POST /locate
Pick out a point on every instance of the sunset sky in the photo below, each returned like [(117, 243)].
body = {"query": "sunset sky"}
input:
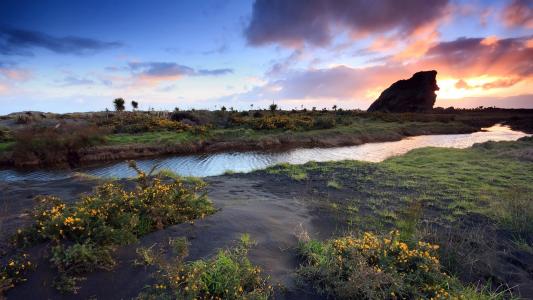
[(64, 56)]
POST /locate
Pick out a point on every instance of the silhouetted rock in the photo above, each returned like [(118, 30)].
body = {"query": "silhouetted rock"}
[(416, 94)]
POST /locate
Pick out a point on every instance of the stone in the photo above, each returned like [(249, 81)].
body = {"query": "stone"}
[(416, 94)]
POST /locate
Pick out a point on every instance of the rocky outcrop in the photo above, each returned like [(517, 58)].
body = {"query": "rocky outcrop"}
[(416, 94)]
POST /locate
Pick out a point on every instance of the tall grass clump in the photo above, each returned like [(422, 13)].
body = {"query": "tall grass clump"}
[(83, 236), (376, 267), (513, 210), (227, 275)]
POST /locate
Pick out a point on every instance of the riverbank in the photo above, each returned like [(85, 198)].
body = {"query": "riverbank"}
[(473, 202), (264, 132)]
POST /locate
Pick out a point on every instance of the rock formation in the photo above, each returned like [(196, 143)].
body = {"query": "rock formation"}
[(416, 94)]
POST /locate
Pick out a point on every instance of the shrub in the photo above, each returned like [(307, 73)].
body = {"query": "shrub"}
[(83, 236), (13, 271), (54, 145), (141, 122), (373, 267), (227, 275), (324, 123)]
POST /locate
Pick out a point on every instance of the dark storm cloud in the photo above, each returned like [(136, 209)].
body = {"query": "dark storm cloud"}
[(22, 42), (315, 22)]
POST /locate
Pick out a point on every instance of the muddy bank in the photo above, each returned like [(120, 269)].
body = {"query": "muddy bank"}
[(285, 141)]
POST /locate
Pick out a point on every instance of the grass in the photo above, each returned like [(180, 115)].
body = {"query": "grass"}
[(83, 237), (378, 267), (227, 275), (334, 185), (6, 146), (473, 202)]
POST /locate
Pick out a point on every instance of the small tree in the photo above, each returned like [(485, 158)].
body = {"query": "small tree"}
[(335, 107), (223, 108), (119, 104), (273, 107), (134, 104)]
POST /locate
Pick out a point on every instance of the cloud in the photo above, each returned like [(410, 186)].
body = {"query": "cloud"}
[(74, 81), (484, 64), (317, 22), (496, 84), (164, 71), (518, 13), (465, 57), (23, 42), (10, 71)]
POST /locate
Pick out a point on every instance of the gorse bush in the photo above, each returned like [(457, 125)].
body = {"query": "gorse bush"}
[(83, 236), (54, 145), (141, 122), (373, 267), (13, 271), (227, 275)]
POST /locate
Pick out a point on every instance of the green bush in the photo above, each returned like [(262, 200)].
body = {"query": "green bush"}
[(373, 267), (227, 275)]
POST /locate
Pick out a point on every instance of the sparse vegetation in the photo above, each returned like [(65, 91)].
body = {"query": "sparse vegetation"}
[(227, 275)]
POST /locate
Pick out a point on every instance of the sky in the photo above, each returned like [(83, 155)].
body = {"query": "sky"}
[(67, 56)]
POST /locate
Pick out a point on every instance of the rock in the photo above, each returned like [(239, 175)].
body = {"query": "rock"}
[(416, 94)]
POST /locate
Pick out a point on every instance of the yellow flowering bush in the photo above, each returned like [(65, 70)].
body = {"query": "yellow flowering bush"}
[(228, 275), (83, 236), (374, 267), (13, 271)]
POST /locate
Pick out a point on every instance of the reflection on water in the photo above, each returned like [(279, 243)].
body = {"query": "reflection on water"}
[(218, 163)]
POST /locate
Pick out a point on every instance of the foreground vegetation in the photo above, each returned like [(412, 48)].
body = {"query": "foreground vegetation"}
[(227, 275), (475, 203), (35, 139), (82, 237), (374, 267)]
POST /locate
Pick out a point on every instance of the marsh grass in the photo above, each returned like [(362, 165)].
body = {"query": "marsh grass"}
[(513, 210), (227, 275), (473, 202)]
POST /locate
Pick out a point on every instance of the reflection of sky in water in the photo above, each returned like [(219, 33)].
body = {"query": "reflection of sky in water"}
[(218, 163)]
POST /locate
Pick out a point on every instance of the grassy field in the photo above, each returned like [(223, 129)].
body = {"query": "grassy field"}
[(475, 203)]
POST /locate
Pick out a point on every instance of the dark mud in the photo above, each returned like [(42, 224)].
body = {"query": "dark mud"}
[(273, 216)]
